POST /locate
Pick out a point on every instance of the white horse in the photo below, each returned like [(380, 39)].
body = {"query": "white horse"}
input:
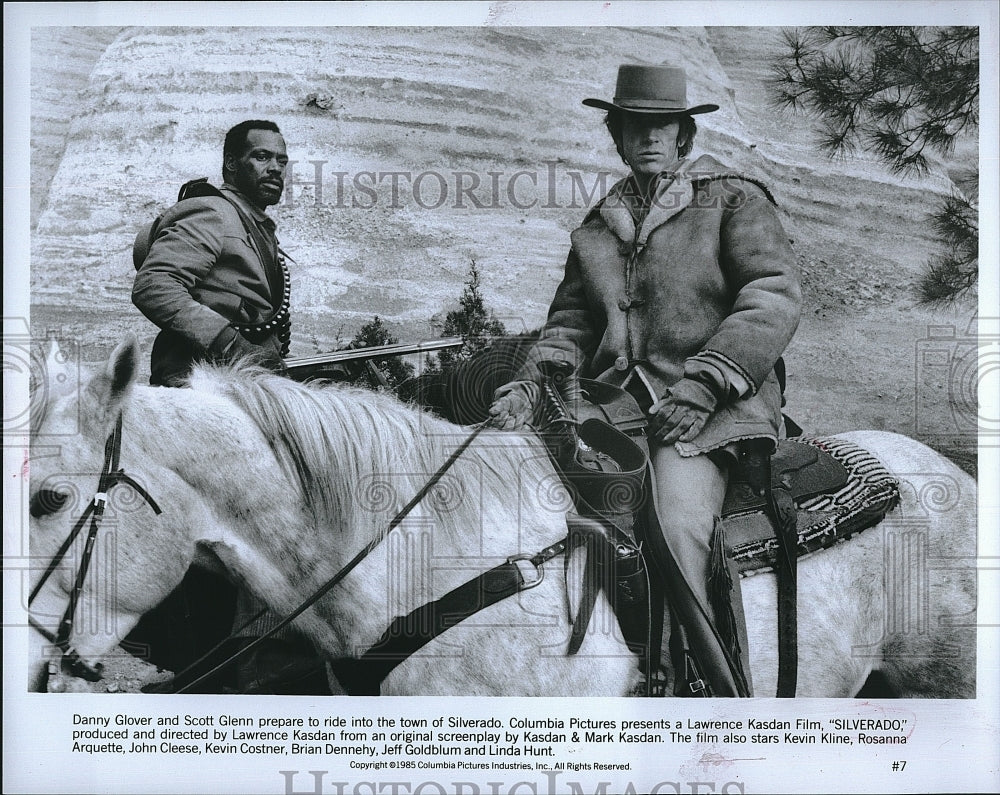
[(282, 483)]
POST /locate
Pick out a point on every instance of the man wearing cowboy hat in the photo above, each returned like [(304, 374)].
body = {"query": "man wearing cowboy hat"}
[(680, 287)]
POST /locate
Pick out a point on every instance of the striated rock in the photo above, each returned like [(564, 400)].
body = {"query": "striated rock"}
[(61, 62), (455, 114)]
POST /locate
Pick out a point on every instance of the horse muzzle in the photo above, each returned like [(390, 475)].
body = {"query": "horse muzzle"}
[(67, 672)]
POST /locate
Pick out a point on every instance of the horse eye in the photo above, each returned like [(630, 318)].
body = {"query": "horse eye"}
[(46, 501)]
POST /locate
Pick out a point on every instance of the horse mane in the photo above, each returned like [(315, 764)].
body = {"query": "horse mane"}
[(356, 454)]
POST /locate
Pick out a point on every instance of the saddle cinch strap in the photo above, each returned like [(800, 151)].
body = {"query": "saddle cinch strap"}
[(758, 474), (406, 635)]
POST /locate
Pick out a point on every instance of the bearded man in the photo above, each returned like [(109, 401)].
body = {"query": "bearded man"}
[(214, 279)]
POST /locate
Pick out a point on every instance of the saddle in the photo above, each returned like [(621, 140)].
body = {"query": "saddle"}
[(834, 489), (600, 449)]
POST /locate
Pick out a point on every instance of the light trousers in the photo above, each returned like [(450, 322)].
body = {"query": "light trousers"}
[(690, 491)]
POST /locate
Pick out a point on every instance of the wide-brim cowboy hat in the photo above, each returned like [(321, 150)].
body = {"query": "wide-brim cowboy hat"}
[(651, 89)]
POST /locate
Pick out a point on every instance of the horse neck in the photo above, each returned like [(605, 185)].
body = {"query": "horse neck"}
[(201, 454), (370, 455), (228, 486), (205, 457)]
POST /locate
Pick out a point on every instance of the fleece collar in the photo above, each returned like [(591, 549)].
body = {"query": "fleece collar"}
[(673, 193), (623, 204)]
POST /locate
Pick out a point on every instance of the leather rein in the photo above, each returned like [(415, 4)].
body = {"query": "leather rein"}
[(111, 476), (407, 634), (335, 579), (360, 676)]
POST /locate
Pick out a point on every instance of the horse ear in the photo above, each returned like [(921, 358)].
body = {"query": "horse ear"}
[(53, 357), (107, 390), (61, 376)]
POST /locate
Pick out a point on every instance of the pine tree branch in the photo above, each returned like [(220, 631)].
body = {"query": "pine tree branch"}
[(901, 92)]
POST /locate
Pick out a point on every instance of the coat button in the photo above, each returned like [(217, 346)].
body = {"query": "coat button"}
[(621, 364), (624, 304)]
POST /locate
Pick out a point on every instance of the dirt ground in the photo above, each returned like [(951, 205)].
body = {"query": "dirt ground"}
[(122, 673)]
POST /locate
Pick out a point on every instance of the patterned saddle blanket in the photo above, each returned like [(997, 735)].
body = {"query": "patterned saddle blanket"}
[(866, 493), (839, 488)]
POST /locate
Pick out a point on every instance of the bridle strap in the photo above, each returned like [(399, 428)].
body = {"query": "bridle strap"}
[(337, 578), (63, 549), (71, 659), (111, 475), (113, 479), (94, 509)]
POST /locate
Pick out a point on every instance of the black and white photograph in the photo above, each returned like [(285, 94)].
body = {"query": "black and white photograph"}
[(460, 397)]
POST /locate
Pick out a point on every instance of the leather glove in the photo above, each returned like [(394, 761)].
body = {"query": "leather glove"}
[(230, 345), (514, 405), (270, 356), (680, 415)]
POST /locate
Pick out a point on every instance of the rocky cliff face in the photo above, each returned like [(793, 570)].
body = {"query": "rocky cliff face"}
[(494, 159), (62, 60)]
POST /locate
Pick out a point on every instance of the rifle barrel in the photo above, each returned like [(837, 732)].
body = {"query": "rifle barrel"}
[(374, 352)]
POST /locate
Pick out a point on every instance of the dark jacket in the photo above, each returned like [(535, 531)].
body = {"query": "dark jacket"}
[(707, 284), (203, 272)]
